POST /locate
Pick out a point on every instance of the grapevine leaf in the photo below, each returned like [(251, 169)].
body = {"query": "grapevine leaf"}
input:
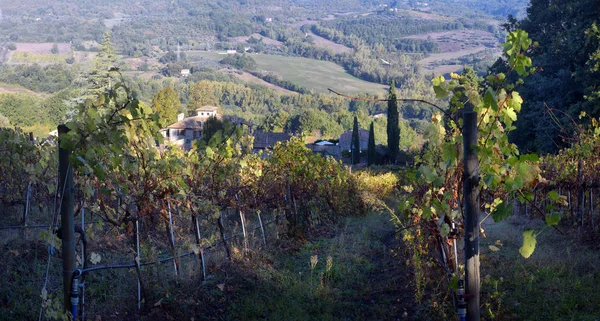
[(501, 211), (529, 242), (553, 218), (515, 101), (553, 196), (440, 87), (509, 115), (490, 99), (453, 284), (445, 230)]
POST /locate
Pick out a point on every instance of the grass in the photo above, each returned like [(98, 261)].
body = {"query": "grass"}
[(558, 282), (28, 57), (312, 74), (350, 274)]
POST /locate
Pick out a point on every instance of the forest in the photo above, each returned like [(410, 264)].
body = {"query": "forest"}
[(464, 195)]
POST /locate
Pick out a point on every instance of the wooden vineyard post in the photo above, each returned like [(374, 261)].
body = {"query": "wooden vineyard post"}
[(26, 211), (175, 261), (262, 229), (471, 206), (199, 244), (66, 219), (243, 220), (222, 233)]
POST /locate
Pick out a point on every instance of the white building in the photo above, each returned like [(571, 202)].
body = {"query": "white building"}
[(187, 129)]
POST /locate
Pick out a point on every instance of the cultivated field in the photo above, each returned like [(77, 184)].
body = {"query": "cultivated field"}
[(42, 48), (312, 74), (249, 78), (328, 44), (451, 41), (266, 41), (35, 58), (455, 44)]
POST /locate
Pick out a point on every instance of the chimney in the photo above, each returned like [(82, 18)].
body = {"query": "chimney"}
[(180, 117)]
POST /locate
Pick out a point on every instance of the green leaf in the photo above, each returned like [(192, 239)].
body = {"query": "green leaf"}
[(553, 218), (501, 211), (529, 242), (453, 284), (530, 157), (553, 196), (445, 230), (509, 115), (209, 152), (515, 101), (490, 99), (440, 87)]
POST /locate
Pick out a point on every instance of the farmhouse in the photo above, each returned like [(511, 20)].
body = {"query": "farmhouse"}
[(266, 140), (187, 129), (346, 139), (332, 150)]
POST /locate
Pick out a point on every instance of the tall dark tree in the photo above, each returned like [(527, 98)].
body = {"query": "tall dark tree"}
[(211, 127), (371, 155), (355, 143), (567, 80), (393, 126), (102, 76)]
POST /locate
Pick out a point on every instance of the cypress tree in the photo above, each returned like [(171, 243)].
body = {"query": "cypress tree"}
[(371, 151), (393, 129), (355, 143), (106, 59)]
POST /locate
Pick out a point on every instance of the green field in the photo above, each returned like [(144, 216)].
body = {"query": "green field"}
[(28, 57), (312, 74)]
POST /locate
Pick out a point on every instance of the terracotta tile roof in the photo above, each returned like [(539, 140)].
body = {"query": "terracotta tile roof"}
[(346, 139), (194, 122), (264, 140)]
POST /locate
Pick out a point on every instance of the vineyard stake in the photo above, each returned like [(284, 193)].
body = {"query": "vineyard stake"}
[(243, 220), (26, 212), (172, 239), (137, 263), (592, 207), (262, 229), (67, 219), (82, 267), (471, 203), (199, 243)]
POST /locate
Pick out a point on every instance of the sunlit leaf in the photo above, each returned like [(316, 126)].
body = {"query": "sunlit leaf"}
[(529, 242)]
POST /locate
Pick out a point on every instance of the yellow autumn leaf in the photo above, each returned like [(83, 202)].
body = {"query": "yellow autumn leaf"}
[(95, 258)]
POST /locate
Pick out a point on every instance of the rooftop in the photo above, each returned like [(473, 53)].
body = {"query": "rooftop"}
[(208, 108)]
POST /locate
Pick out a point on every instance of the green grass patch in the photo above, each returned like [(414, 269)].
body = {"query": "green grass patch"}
[(315, 75), (28, 57), (352, 275), (558, 282)]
